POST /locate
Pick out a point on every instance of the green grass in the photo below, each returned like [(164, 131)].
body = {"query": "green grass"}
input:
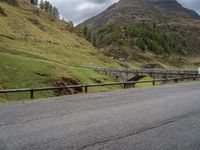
[(89, 77), (23, 72), (56, 53), (142, 85), (36, 49)]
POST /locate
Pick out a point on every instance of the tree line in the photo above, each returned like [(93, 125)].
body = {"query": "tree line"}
[(89, 35), (46, 6)]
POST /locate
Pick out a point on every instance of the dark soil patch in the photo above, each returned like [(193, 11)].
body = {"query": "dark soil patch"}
[(9, 37), (66, 81), (42, 74), (152, 66), (36, 23), (96, 80), (36, 12), (2, 12)]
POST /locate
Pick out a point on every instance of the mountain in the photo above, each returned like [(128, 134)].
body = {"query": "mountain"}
[(137, 11), (134, 29), (38, 50)]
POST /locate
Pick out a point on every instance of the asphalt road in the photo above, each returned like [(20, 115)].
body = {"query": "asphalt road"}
[(158, 118)]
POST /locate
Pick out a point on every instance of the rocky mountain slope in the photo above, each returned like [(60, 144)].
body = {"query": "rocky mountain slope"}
[(138, 11), (161, 28)]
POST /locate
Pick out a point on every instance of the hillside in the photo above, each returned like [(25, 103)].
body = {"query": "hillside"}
[(159, 30), (38, 50)]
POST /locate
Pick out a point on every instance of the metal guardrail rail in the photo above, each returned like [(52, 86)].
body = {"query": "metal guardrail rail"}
[(124, 84)]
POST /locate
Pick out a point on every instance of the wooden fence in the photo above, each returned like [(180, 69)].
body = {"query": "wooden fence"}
[(124, 84)]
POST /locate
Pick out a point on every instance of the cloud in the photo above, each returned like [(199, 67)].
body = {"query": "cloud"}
[(191, 4), (80, 10)]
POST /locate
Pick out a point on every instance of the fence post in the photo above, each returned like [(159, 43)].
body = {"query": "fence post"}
[(124, 85), (194, 79), (154, 83), (32, 94), (86, 89), (176, 80)]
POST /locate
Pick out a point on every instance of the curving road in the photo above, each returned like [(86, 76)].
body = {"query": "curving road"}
[(157, 118)]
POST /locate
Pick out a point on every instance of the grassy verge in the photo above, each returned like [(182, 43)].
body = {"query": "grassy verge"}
[(23, 72), (142, 85)]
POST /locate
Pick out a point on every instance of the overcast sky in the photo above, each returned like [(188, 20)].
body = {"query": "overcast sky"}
[(80, 10)]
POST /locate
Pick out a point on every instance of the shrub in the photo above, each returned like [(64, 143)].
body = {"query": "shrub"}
[(106, 29), (140, 43), (114, 38)]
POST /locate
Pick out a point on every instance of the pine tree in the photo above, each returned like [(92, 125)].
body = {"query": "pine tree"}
[(85, 31), (32, 2), (50, 9), (94, 40), (46, 6), (71, 23), (55, 12), (89, 35), (36, 2), (42, 4)]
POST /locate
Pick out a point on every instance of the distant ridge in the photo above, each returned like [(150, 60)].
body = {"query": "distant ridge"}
[(133, 11)]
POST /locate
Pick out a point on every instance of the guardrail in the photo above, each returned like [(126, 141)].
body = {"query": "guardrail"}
[(124, 84)]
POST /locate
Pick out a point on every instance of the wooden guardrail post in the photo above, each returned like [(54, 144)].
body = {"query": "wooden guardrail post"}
[(86, 89), (124, 85), (154, 83), (32, 94)]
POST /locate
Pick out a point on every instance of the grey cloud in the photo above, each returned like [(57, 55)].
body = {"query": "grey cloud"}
[(80, 10), (98, 1), (191, 4)]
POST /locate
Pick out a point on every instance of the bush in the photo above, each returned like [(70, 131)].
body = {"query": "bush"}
[(155, 47), (140, 43), (106, 29), (115, 38)]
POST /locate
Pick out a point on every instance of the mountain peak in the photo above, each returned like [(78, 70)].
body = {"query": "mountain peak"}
[(133, 11)]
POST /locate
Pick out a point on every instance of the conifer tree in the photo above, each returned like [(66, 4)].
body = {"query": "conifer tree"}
[(85, 31), (42, 4), (94, 40)]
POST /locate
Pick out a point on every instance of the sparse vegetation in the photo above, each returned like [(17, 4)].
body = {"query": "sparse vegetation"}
[(46, 6), (142, 37), (38, 52), (145, 31)]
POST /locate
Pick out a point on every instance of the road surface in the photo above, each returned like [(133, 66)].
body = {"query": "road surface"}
[(157, 118)]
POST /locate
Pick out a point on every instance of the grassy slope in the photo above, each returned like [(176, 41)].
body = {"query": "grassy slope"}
[(36, 49)]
